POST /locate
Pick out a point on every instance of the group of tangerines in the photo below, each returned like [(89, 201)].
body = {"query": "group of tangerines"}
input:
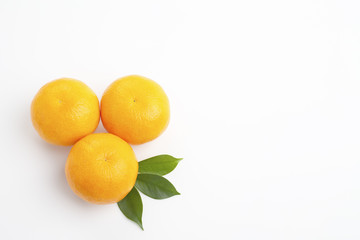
[(101, 167)]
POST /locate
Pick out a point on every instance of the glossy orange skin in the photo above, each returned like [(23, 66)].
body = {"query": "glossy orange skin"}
[(135, 108), (65, 110), (101, 168)]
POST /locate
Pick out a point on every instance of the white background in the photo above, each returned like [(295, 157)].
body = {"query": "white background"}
[(265, 99)]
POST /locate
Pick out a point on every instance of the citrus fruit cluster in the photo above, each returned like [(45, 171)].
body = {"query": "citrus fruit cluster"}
[(102, 168)]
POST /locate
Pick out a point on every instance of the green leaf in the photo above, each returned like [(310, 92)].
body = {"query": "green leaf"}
[(131, 206), (159, 165), (155, 186)]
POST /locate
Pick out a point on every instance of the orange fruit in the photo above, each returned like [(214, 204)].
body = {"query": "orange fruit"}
[(101, 168), (135, 108), (65, 110)]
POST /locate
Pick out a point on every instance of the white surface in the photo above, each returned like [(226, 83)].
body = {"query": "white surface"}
[(265, 111)]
